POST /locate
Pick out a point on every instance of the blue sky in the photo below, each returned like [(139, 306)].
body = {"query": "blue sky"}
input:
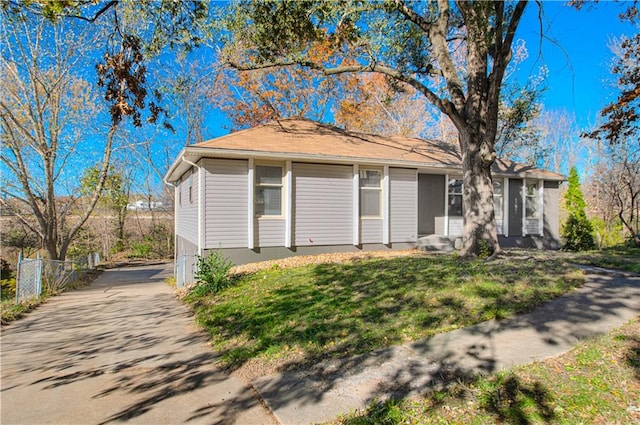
[(575, 50)]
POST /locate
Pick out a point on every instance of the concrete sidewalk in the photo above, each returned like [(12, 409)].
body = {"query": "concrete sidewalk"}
[(122, 350), (332, 388)]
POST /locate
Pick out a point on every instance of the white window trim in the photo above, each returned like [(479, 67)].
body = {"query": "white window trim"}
[(505, 217), (540, 217), (380, 189), (501, 181), (540, 207), (283, 204)]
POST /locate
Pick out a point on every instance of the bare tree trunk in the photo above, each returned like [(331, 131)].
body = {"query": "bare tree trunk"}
[(106, 161), (477, 198)]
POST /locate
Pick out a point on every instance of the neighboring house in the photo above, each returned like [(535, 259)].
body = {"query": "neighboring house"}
[(295, 186)]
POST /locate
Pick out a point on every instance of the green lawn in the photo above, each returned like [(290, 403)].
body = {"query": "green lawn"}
[(337, 310), (598, 382), (620, 258)]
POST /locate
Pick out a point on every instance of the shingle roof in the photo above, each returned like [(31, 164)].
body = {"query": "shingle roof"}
[(304, 139)]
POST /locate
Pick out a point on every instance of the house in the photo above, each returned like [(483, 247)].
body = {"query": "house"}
[(295, 186)]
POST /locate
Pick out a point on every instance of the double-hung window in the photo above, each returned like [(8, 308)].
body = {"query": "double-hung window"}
[(498, 200), (370, 193), (532, 201), (268, 190), (455, 198)]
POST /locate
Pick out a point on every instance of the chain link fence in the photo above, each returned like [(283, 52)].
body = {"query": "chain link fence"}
[(35, 276), (28, 279)]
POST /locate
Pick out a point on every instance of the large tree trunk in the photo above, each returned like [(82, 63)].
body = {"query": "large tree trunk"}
[(477, 197)]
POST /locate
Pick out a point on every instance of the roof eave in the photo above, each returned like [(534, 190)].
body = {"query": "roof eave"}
[(193, 154)]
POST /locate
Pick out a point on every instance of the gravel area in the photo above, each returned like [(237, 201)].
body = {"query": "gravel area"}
[(338, 257)]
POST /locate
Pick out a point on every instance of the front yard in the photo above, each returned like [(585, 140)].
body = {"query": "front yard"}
[(291, 317), (598, 382)]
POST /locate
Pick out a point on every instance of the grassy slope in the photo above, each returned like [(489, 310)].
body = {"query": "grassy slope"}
[(337, 310)]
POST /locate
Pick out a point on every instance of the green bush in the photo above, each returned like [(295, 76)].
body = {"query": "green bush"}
[(212, 273), (578, 234), (7, 288), (141, 249), (7, 280)]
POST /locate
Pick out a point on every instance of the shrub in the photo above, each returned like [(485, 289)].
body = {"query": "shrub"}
[(577, 230), (7, 280), (578, 234), (141, 249), (212, 272)]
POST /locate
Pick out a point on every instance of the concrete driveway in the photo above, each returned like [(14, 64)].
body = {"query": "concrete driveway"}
[(122, 350)]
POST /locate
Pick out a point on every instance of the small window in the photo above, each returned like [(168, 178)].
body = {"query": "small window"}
[(268, 198), (190, 188), (498, 199), (370, 193), (455, 197), (531, 203)]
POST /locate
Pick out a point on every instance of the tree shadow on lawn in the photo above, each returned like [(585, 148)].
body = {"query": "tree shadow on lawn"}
[(507, 399), (350, 309), (333, 327)]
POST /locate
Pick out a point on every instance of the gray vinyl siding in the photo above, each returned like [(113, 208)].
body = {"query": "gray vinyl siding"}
[(323, 204), (187, 209), (226, 203), (403, 205), (371, 230), (270, 232), (551, 209), (431, 189), (515, 207)]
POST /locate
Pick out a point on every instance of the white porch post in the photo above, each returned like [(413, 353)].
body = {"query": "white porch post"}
[(250, 205), (288, 219), (356, 204), (524, 207), (385, 205), (446, 205)]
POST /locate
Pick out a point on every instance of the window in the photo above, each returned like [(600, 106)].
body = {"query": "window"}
[(531, 203), (190, 185), (498, 199), (455, 197), (268, 198), (370, 193)]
